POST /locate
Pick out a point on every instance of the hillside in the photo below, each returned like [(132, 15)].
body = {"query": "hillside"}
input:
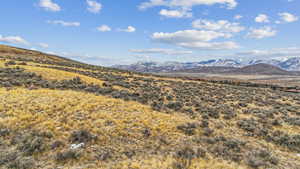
[(59, 113), (261, 69), (208, 69)]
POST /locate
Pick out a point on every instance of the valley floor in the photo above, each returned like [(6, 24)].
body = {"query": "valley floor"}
[(281, 80)]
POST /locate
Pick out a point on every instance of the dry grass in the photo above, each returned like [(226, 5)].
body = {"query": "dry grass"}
[(61, 112)]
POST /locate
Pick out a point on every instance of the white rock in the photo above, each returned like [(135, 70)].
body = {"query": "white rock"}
[(76, 146)]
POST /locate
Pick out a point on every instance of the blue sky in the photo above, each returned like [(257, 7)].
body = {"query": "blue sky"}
[(106, 32)]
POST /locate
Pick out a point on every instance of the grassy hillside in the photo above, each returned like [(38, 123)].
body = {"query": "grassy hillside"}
[(59, 113)]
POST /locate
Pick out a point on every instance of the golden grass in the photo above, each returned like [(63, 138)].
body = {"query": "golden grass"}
[(28, 54), (289, 129), (2, 62), (61, 112), (160, 162), (45, 109), (53, 74)]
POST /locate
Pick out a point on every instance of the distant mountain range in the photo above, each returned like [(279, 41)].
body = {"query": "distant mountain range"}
[(213, 66), (262, 69)]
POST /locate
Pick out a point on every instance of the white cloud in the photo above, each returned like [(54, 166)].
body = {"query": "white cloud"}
[(186, 3), (221, 25), (262, 18), (128, 29), (94, 6), (287, 17), (43, 45), (210, 45), (160, 51), (238, 17), (152, 3), (188, 35), (64, 23), (175, 13), (13, 40), (196, 39), (259, 33), (104, 28), (48, 5)]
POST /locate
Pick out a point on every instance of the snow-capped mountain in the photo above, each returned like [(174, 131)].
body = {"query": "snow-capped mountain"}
[(292, 64), (270, 62), (225, 63)]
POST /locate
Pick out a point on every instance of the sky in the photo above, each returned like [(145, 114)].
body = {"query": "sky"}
[(106, 32)]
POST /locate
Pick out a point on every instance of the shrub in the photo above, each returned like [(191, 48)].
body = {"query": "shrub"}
[(4, 132), (81, 136), (23, 63), (57, 144), (7, 157), (188, 129), (186, 153), (214, 114), (22, 163), (229, 115), (247, 124), (31, 144), (261, 158), (204, 123), (130, 154), (174, 105), (156, 105), (10, 63), (104, 155), (147, 132), (293, 121), (67, 155), (207, 131)]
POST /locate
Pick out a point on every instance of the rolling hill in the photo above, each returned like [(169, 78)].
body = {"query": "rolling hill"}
[(60, 113), (261, 69)]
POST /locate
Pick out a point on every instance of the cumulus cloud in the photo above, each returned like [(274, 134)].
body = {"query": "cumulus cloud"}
[(188, 35), (94, 6), (64, 23), (187, 3), (221, 25), (196, 39), (260, 33), (43, 45), (238, 17), (160, 51), (210, 45), (286, 17), (152, 3), (104, 28), (262, 18), (129, 29), (13, 40), (48, 5), (175, 13)]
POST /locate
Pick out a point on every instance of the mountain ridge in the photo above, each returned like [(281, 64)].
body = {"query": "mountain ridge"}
[(292, 64)]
